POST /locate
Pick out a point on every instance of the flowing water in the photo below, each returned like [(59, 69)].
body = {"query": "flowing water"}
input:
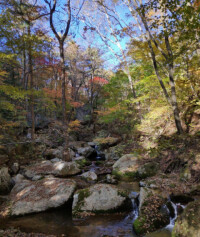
[(60, 221)]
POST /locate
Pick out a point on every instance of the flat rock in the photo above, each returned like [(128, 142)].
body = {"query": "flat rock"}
[(61, 169), (30, 197)]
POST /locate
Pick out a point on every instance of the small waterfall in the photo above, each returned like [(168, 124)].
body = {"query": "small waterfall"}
[(134, 214), (100, 155), (173, 217)]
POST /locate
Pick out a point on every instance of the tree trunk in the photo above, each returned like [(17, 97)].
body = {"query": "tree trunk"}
[(173, 88), (30, 63), (66, 155)]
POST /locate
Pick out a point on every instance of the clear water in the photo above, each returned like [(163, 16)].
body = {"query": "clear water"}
[(60, 221)]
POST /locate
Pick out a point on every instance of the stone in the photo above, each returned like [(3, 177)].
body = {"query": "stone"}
[(81, 161), (15, 168), (111, 179), (152, 215), (106, 142), (5, 181), (92, 144), (147, 170), (18, 178), (55, 160), (87, 152), (100, 198), (126, 166), (31, 197), (60, 169), (77, 144), (90, 176), (188, 224), (64, 169), (37, 177)]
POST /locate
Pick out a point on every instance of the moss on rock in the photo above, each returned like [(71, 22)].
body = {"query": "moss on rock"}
[(188, 224), (152, 216)]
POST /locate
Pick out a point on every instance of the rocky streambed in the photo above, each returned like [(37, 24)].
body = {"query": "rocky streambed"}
[(93, 195)]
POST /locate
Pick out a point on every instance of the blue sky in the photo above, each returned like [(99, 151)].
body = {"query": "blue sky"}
[(92, 39)]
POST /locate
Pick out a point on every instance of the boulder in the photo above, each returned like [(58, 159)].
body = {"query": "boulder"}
[(57, 153), (81, 161), (188, 224), (31, 197), (60, 169), (90, 176), (106, 142), (5, 181), (126, 166), (87, 152), (100, 198), (147, 170), (152, 216)]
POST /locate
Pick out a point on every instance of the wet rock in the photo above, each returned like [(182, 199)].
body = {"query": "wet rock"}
[(181, 198), (90, 176), (30, 197), (87, 152), (5, 181), (188, 224), (61, 169), (100, 198)]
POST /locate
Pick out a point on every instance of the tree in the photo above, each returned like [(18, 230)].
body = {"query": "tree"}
[(144, 14)]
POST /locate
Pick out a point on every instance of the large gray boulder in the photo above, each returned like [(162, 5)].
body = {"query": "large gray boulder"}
[(30, 197), (126, 166), (60, 169), (100, 198), (5, 181)]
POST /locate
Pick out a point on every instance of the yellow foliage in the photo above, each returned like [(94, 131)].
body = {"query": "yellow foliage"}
[(74, 125)]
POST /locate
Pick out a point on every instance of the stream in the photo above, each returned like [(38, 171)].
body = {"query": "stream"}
[(60, 222)]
